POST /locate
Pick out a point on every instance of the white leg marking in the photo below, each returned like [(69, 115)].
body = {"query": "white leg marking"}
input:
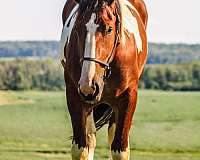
[(88, 69), (67, 29), (92, 145), (122, 155), (111, 134), (91, 135), (79, 154), (130, 23)]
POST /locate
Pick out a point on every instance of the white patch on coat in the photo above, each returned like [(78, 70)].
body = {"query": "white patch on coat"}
[(131, 6), (79, 153), (129, 22), (88, 68), (67, 29)]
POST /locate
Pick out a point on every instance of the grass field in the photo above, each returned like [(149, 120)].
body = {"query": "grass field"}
[(36, 126)]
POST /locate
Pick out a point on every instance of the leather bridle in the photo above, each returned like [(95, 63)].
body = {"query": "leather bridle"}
[(106, 65)]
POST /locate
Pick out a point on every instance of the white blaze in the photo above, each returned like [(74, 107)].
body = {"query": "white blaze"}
[(88, 69), (67, 29)]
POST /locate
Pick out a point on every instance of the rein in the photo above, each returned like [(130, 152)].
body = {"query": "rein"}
[(106, 65)]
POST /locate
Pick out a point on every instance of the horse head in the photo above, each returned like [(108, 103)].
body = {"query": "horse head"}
[(97, 33)]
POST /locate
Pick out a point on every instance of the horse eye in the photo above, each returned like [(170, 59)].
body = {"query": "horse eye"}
[(101, 28), (109, 30)]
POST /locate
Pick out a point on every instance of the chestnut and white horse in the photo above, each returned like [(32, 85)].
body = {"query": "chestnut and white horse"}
[(104, 48)]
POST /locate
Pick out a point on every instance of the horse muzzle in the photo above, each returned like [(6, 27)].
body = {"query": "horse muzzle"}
[(90, 94)]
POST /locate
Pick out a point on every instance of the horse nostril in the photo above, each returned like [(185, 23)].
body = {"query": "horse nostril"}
[(89, 96), (96, 90), (85, 89)]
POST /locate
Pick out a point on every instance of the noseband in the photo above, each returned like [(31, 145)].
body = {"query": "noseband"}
[(106, 65)]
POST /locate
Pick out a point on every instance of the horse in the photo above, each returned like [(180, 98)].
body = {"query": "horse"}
[(104, 50)]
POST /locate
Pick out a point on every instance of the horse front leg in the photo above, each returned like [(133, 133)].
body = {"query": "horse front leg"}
[(111, 131), (124, 111), (84, 142), (84, 131), (91, 135), (84, 137), (79, 150)]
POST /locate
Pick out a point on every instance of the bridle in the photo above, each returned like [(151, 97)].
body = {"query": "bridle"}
[(106, 65)]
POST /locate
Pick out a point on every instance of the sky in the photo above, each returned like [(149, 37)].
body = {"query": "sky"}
[(170, 21)]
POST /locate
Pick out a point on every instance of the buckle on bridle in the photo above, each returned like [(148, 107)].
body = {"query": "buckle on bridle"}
[(107, 73)]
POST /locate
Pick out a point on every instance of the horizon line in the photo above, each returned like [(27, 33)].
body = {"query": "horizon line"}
[(56, 40)]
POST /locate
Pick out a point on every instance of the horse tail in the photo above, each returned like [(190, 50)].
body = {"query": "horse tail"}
[(102, 114)]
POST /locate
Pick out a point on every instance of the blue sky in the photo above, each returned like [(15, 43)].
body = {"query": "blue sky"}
[(170, 21)]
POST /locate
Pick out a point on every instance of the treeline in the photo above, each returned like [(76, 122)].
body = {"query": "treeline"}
[(179, 77), (29, 49), (173, 53), (158, 53), (46, 74), (23, 74)]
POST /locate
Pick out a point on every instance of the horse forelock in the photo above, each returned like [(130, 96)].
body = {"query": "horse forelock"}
[(87, 4)]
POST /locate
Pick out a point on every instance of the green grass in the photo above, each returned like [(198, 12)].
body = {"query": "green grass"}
[(166, 127)]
